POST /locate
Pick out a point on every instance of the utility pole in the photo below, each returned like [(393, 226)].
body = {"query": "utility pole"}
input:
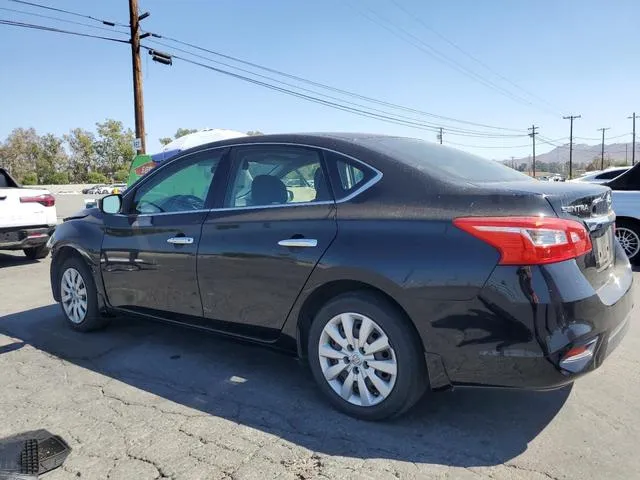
[(626, 153), (440, 136), (513, 162), (136, 63), (533, 134), (571, 118), (602, 151), (633, 142)]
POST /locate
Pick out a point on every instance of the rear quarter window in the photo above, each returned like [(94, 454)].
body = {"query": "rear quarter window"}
[(444, 162)]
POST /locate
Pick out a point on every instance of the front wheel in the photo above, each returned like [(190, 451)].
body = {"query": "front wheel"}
[(366, 358), (79, 297), (628, 234)]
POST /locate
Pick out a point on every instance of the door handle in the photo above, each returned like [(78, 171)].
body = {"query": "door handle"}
[(299, 242), (180, 240)]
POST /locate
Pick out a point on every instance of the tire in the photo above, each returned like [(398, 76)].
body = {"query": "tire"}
[(69, 284), (394, 395), (628, 234), (36, 253)]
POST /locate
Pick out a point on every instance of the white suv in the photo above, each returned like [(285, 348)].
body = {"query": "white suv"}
[(27, 217)]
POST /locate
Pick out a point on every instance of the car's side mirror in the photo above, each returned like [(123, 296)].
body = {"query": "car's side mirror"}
[(111, 204)]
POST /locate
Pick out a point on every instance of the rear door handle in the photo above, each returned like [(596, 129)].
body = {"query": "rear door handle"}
[(299, 242), (180, 240)]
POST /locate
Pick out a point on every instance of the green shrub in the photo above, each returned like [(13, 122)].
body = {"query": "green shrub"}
[(121, 175), (30, 179), (96, 177)]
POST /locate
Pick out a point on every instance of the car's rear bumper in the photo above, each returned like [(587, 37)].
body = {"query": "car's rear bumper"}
[(528, 321), (18, 238)]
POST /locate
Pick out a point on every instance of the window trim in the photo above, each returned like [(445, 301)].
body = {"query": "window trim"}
[(377, 176), (130, 194)]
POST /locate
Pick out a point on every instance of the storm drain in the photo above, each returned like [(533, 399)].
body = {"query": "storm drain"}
[(30, 454)]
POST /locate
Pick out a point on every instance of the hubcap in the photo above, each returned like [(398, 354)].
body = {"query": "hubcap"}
[(357, 360), (629, 241), (74, 295)]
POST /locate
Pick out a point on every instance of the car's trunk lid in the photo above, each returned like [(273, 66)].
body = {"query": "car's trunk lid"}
[(589, 204)]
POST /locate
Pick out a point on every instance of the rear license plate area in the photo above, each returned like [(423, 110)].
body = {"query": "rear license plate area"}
[(603, 248), (9, 237)]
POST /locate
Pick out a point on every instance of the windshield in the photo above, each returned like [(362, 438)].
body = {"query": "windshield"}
[(445, 162)]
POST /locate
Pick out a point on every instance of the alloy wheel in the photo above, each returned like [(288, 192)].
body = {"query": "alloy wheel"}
[(74, 295), (629, 241), (357, 359)]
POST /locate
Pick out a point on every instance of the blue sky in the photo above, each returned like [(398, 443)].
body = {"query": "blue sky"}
[(575, 56)]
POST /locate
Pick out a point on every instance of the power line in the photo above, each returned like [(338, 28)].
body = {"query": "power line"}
[(453, 131), (429, 50), (318, 84), (68, 12), (504, 147), (333, 89), (467, 54), (57, 30), (58, 19)]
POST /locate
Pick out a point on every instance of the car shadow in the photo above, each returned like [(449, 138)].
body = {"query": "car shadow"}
[(274, 393), (14, 260)]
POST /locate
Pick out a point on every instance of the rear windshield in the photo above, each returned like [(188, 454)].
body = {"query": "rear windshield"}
[(444, 162)]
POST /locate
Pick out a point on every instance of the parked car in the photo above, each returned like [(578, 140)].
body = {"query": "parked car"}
[(602, 176), (94, 189), (118, 187), (27, 217), (626, 204), (412, 267)]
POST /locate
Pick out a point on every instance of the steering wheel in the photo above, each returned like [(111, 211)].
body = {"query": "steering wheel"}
[(140, 208)]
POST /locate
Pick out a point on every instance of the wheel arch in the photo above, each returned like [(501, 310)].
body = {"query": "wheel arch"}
[(61, 255), (335, 288)]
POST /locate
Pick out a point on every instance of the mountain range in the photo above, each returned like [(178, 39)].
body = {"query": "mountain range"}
[(582, 154)]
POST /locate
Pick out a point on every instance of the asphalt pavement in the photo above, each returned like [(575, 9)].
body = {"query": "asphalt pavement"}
[(143, 400)]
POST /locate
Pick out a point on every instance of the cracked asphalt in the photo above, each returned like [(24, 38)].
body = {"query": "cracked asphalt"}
[(143, 400)]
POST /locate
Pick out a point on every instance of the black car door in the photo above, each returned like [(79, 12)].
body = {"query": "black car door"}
[(148, 257), (259, 249)]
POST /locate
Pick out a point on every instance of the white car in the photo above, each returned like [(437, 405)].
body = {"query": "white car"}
[(27, 217), (602, 176)]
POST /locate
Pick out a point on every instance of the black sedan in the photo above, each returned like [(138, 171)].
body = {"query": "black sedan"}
[(393, 265)]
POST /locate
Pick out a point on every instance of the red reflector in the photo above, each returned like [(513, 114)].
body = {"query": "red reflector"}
[(529, 240), (575, 352), (46, 199)]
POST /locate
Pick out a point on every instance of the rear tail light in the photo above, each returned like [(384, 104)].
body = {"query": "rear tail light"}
[(46, 199), (529, 240)]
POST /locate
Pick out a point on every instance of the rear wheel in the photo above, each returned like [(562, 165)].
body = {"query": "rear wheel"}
[(36, 253), (628, 234), (366, 358), (78, 296)]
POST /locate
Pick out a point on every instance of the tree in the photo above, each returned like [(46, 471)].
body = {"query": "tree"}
[(114, 146), (254, 133), (82, 159), (165, 140), (181, 132), (96, 177), (51, 160), (20, 152)]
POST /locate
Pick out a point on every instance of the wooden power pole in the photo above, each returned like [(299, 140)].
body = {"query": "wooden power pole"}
[(571, 118), (138, 101), (533, 134), (633, 143), (602, 151)]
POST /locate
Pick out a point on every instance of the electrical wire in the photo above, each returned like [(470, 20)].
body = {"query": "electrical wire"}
[(58, 30), (300, 79), (58, 19), (504, 147), (469, 55), (333, 89), (432, 52), (310, 98), (68, 12), (450, 130)]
